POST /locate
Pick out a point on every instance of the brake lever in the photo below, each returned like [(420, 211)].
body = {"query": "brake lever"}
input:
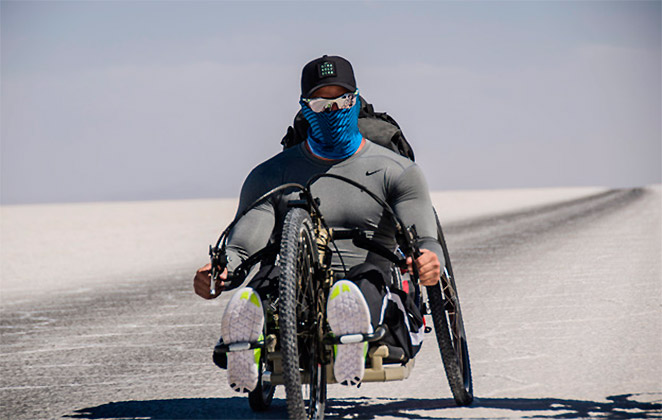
[(410, 239), (218, 263)]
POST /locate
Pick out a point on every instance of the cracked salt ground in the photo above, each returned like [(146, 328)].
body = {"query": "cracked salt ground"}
[(562, 300)]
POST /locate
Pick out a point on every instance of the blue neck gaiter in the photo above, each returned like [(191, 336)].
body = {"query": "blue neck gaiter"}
[(333, 134)]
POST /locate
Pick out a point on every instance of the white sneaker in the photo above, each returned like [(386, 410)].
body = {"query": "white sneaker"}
[(348, 313), (243, 320)]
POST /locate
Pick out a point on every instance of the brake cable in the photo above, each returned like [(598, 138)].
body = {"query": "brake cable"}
[(217, 253)]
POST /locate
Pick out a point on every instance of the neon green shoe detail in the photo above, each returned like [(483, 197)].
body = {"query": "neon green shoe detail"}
[(258, 351), (365, 350), (334, 293), (251, 297)]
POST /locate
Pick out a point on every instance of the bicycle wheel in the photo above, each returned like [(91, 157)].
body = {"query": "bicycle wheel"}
[(300, 318), (449, 329)]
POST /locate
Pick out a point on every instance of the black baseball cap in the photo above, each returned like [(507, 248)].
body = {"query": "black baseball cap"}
[(324, 71)]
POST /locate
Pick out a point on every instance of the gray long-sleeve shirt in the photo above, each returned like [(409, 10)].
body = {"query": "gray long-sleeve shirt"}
[(393, 178)]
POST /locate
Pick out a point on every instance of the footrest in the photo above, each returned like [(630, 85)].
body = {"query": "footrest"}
[(378, 334), (378, 372), (241, 346)]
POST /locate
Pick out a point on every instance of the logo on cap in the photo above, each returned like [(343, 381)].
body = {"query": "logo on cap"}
[(327, 69)]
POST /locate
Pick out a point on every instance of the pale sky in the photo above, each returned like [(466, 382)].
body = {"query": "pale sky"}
[(142, 100)]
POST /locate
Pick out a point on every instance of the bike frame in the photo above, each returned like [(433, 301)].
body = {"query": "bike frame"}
[(379, 369)]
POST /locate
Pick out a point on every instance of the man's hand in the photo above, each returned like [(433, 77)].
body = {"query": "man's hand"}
[(429, 268), (202, 282)]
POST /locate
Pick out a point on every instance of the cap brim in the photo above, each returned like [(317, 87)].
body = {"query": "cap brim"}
[(330, 83)]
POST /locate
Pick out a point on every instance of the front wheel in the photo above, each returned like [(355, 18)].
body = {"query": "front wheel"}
[(299, 319), (449, 329)]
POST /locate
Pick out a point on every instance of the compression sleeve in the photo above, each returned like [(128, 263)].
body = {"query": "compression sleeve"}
[(411, 202), (253, 230)]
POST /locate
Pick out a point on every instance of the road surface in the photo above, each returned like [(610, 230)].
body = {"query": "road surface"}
[(562, 305)]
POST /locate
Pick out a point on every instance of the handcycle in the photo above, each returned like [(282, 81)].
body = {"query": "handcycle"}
[(296, 349)]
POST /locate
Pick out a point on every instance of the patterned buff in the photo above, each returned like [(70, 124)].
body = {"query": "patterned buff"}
[(333, 134)]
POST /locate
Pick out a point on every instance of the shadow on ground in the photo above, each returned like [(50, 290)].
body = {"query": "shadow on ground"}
[(617, 407)]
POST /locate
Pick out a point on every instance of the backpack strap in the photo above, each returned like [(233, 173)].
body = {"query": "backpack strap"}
[(367, 110), (288, 138), (296, 133), (382, 129)]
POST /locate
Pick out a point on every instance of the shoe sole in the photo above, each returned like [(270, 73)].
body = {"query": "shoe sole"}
[(243, 320), (348, 313)]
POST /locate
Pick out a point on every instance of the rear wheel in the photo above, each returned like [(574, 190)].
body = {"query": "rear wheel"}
[(449, 329), (300, 320)]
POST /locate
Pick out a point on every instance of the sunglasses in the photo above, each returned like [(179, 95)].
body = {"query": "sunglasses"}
[(321, 104)]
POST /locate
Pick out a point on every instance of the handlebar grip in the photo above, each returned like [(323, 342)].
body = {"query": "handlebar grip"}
[(218, 263)]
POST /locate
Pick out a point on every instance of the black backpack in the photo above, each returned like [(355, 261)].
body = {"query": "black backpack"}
[(379, 127)]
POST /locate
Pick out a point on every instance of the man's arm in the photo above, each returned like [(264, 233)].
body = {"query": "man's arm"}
[(254, 229), (411, 202), (248, 236)]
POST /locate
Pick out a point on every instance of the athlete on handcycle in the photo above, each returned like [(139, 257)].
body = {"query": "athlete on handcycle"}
[(362, 298)]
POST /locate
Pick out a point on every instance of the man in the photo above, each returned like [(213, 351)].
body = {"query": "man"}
[(359, 302)]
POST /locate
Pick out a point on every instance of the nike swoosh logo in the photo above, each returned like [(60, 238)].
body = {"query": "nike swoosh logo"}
[(368, 173)]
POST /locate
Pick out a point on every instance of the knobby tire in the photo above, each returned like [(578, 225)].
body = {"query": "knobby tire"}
[(298, 317), (449, 329)]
